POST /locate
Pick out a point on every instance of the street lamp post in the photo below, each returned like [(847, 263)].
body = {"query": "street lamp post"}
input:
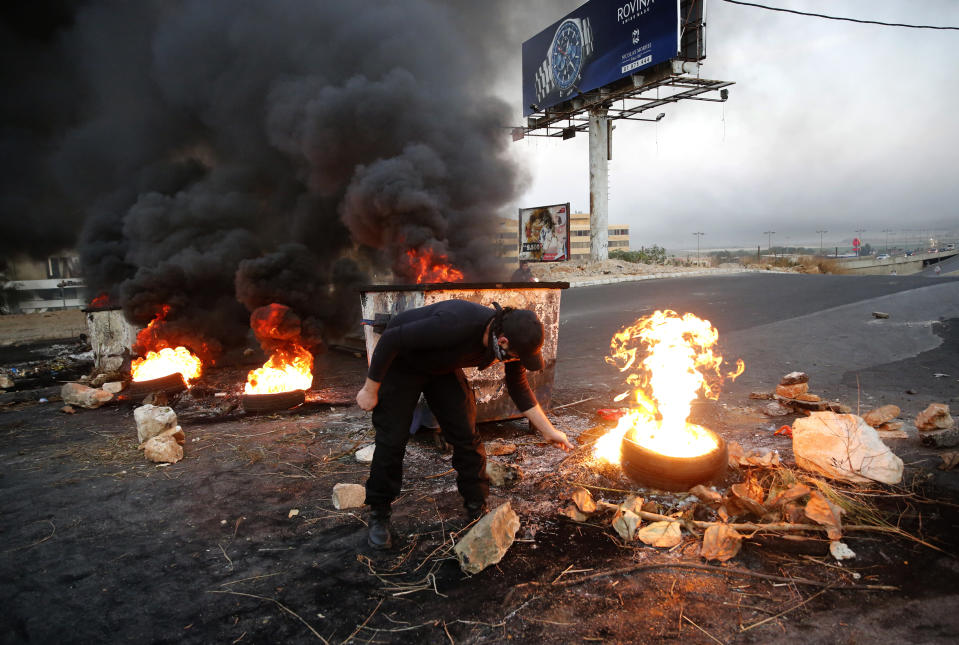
[(699, 259), (769, 240), (820, 240), (887, 231)]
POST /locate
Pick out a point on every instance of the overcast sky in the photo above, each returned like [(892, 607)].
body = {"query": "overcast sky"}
[(830, 125)]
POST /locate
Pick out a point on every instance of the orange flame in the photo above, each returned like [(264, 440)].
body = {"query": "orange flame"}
[(166, 360), (100, 302), (678, 364), (429, 268), (285, 371)]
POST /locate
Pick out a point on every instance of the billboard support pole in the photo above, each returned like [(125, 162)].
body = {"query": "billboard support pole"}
[(598, 184)]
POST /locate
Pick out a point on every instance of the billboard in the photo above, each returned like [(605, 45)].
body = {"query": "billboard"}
[(544, 233), (599, 43)]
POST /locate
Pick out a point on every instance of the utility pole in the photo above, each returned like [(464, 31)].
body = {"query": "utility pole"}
[(699, 259), (887, 231), (769, 240), (598, 184), (820, 240), (859, 232)]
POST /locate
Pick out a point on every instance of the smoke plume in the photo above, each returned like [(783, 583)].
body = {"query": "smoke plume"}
[(220, 155)]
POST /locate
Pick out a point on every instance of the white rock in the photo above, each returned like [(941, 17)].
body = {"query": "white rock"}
[(152, 420), (114, 387), (365, 455), (83, 396), (843, 446), (841, 551), (348, 496), (164, 448), (489, 539), (5, 382)]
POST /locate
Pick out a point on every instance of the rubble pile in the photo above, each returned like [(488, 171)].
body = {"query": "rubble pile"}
[(792, 396)]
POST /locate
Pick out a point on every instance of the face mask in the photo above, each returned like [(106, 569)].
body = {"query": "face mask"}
[(498, 352)]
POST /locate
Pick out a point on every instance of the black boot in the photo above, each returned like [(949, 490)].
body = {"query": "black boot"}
[(379, 536), (476, 509)]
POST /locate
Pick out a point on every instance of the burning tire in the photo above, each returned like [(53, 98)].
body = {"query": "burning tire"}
[(273, 401), (171, 383), (656, 470)]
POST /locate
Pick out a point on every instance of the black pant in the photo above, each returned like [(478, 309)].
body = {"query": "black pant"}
[(451, 399)]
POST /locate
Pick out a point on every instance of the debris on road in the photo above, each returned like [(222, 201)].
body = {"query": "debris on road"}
[(625, 522), (153, 420), (83, 396), (166, 447), (949, 460), (881, 415), (937, 428), (935, 417), (501, 474), (114, 387), (489, 539), (720, 543), (843, 446), (841, 551), (583, 500), (661, 534), (348, 496), (365, 454), (499, 448)]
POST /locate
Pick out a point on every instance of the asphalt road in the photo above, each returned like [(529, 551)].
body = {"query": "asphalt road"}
[(777, 323)]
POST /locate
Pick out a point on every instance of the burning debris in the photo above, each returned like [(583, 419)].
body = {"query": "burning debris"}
[(159, 359), (361, 153), (290, 366), (670, 360), (427, 267)]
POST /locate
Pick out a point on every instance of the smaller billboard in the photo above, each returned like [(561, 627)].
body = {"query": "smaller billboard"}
[(544, 233)]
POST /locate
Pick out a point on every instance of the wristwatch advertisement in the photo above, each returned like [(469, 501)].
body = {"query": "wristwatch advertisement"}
[(570, 49), (595, 45)]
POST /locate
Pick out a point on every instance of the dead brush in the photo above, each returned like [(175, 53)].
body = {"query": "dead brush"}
[(857, 503)]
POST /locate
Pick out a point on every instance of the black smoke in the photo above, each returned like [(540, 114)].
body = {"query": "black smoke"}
[(219, 155)]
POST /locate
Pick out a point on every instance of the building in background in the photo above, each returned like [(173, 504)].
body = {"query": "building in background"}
[(507, 238), (579, 236), (30, 285)]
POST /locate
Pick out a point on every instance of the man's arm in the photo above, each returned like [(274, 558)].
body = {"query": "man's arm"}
[(541, 422)]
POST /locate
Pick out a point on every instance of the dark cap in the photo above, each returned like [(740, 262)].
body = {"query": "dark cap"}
[(525, 334)]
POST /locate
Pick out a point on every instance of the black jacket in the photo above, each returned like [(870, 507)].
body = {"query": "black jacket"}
[(441, 337)]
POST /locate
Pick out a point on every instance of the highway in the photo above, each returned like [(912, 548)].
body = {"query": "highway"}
[(777, 323)]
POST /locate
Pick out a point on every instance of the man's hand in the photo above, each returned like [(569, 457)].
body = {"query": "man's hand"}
[(557, 438), (541, 422), (369, 395)]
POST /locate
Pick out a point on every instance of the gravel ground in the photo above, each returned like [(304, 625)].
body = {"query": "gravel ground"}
[(16, 329)]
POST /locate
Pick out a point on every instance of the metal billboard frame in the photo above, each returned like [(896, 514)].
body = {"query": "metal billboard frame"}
[(677, 78)]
